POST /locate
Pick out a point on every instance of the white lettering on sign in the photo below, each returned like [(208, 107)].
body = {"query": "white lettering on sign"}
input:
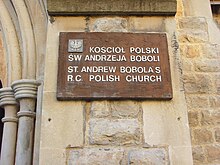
[(76, 78), (143, 78), (98, 69), (148, 73), (147, 50), (74, 57), (144, 58), (104, 78), (97, 49), (72, 69), (135, 69), (108, 58)]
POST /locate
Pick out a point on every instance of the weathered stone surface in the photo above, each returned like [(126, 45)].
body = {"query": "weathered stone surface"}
[(141, 24), (109, 25), (217, 135), (156, 156), (213, 153), (210, 117), (54, 156), (191, 51), (189, 36), (143, 7), (118, 131), (197, 83), (115, 109), (62, 123), (204, 83), (207, 66), (125, 109), (215, 101), (217, 83), (211, 51), (100, 109), (202, 136), (193, 23), (198, 155), (197, 101), (187, 64), (193, 118), (201, 66), (95, 156)]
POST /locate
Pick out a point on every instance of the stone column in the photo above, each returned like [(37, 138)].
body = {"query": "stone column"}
[(8, 102), (26, 92)]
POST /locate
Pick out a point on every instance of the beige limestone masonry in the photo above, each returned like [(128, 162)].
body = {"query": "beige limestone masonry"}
[(62, 122), (201, 69), (109, 156), (170, 116)]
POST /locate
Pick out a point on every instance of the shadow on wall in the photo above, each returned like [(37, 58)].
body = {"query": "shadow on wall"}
[(216, 13)]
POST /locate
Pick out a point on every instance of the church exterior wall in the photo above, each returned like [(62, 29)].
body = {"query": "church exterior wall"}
[(181, 131)]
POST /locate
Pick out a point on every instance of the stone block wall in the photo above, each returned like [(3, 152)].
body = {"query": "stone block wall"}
[(201, 79), (114, 135)]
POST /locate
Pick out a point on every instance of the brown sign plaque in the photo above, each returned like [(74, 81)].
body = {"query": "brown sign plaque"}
[(113, 66)]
